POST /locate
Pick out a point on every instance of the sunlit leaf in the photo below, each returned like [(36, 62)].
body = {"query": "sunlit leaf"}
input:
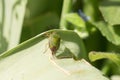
[(14, 11), (110, 32), (75, 19), (78, 22), (111, 11), (115, 77), (32, 60), (93, 56)]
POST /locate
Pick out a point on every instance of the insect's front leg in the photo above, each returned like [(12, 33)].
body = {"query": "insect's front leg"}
[(46, 47)]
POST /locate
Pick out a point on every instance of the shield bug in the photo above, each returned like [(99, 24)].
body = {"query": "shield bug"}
[(53, 41), (54, 44)]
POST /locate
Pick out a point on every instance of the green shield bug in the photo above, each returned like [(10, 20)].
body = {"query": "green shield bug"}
[(53, 41)]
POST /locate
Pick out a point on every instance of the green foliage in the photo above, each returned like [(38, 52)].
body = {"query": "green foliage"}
[(79, 24), (101, 55), (110, 32), (59, 39), (110, 10)]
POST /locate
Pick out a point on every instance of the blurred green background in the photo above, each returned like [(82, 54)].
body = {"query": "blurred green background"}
[(41, 15)]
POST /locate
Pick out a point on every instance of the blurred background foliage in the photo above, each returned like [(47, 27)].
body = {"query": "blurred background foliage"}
[(41, 15)]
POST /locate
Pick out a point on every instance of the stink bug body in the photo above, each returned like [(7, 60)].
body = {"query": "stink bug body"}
[(54, 42)]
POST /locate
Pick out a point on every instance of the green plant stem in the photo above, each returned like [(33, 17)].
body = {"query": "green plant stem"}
[(3, 45), (105, 69), (67, 4)]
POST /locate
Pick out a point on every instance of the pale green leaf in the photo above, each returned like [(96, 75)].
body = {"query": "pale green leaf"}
[(32, 60), (72, 43), (111, 11), (115, 77), (14, 11)]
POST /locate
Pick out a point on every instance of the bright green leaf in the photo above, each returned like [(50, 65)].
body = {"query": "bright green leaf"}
[(112, 33), (111, 11), (75, 19), (93, 56), (79, 23)]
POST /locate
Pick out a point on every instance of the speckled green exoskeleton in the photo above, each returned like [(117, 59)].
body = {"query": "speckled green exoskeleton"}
[(54, 41)]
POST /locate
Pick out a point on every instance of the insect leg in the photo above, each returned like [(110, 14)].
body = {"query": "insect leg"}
[(53, 61), (46, 47)]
